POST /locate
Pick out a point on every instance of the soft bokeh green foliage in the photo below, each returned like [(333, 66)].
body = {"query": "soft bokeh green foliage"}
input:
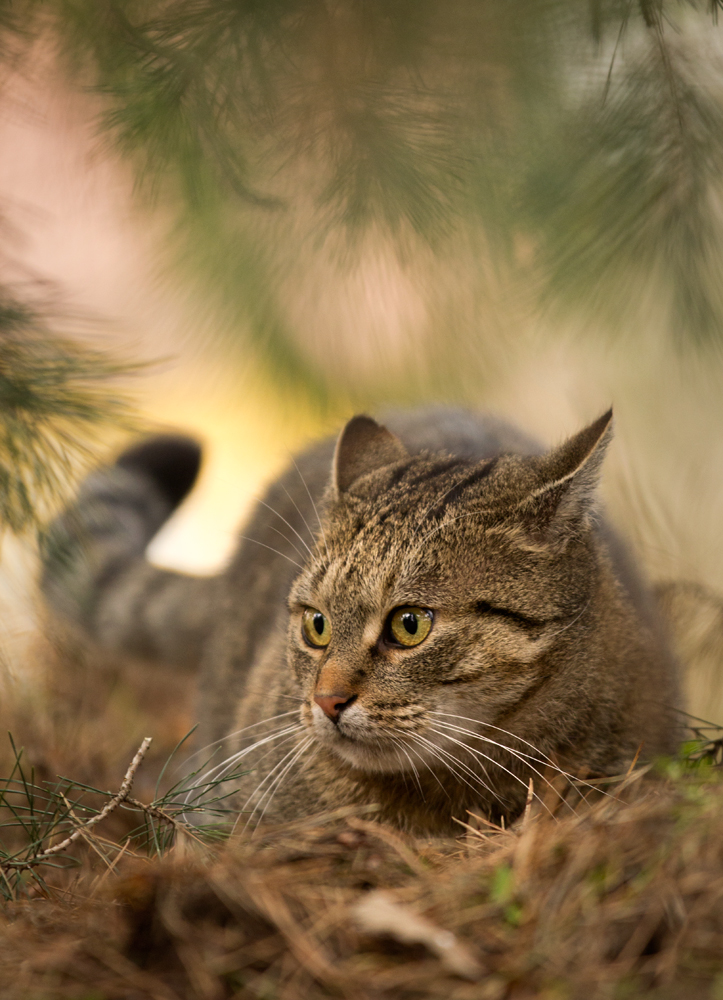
[(579, 142), (546, 158)]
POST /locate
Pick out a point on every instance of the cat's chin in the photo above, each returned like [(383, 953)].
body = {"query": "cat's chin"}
[(367, 757)]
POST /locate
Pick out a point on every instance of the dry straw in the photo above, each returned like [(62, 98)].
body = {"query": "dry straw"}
[(620, 897)]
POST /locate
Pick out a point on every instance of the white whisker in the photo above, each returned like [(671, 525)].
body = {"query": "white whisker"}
[(491, 760), (218, 772), (428, 766), (268, 777), (217, 743), (277, 782), (437, 500), (288, 541), (400, 746), (301, 513), (287, 523), (539, 755), (306, 487), (271, 549), (225, 766), (441, 753), (430, 769), (524, 758)]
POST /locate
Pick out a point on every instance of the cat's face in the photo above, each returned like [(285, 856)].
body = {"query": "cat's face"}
[(440, 589)]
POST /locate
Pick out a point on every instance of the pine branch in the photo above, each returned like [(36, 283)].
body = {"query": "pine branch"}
[(54, 402), (83, 829), (40, 812)]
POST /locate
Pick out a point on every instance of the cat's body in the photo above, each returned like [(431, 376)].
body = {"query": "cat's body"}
[(425, 627)]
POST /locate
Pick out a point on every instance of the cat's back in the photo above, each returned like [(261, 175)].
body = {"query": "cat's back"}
[(462, 433)]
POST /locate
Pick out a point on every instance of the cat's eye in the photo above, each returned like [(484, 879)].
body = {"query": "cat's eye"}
[(409, 626), (316, 627)]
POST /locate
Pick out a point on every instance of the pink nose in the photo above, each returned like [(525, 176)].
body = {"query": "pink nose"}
[(332, 704)]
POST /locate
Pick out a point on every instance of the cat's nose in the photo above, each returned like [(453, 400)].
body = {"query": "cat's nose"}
[(334, 704)]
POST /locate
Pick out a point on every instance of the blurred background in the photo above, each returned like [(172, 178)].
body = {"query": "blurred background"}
[(247, 220)]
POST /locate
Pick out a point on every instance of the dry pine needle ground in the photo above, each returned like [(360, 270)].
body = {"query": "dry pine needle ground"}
[(622, 897)]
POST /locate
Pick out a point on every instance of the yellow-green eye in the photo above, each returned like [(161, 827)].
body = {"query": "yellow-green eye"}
[(316, 627), (410, 626)]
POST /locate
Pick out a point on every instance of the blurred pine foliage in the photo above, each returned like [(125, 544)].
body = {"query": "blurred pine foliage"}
[(571, 150), (586, 133), (55, 397), (56, 394)]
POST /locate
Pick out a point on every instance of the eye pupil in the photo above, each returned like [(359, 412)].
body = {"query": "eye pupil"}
[(315, 628), (409, 620), (408, 626)]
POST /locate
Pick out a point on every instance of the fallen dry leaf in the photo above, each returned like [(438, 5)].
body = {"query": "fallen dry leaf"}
[(378, 914)]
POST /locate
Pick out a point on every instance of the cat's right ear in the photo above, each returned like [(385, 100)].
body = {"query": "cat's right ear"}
[(363, 447)]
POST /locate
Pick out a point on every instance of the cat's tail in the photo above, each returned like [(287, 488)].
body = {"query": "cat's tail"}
[(95, 572)]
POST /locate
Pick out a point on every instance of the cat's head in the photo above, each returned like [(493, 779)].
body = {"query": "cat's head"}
[(440, 587)]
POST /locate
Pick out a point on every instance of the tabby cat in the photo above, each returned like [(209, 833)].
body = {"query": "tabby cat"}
[(423, 615)]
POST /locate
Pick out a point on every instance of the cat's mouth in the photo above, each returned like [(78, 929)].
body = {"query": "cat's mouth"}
[(358, 743)]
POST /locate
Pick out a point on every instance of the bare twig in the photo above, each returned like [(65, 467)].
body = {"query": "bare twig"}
[(178, 826), (87, 837), (634, 761), (156, 811), (528, 805)]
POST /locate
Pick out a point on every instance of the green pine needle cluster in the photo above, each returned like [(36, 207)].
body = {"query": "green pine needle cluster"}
[(55, 398), (42, 823)]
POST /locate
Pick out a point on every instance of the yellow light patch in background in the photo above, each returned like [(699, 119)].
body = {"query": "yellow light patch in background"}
[(246, 443)]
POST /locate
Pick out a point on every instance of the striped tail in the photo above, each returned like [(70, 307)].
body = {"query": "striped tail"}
[(95, 572)]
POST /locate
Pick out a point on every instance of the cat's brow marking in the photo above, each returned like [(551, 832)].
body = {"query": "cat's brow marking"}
[(457, 489), (437, 501), (450, 520)]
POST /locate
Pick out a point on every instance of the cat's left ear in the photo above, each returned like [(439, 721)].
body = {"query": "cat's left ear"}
[(363, 447), (565, 499)]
